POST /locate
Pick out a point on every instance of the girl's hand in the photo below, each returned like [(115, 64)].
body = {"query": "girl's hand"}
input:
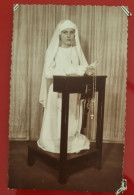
[(71, 71), (59, 73), (81, 70), (91, 68)]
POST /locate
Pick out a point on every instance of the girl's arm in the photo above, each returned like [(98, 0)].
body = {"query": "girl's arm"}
[(52, 70)]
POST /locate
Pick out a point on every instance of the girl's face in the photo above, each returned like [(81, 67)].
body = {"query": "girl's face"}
[(67, 37)]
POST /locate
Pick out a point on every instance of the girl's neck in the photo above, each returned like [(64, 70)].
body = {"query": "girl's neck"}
[(63, 46)]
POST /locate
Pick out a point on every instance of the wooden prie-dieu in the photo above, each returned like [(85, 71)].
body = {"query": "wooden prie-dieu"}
[(63, 161)]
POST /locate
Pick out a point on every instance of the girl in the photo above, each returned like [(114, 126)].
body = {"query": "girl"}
[(64, 56)]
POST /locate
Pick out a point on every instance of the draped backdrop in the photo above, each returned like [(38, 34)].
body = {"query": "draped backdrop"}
[(103, 36)]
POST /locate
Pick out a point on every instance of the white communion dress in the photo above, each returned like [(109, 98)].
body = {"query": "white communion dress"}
[(66, 62)]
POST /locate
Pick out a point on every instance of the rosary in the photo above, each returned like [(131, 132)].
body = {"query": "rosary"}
[(93, 95), (89, 96)]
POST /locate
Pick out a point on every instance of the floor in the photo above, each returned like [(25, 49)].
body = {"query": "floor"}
[(41, 176)]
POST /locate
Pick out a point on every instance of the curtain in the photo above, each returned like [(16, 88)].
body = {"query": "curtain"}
[(103, 36)]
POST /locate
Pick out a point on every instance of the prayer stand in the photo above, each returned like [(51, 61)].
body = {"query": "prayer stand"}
[(63, 161)]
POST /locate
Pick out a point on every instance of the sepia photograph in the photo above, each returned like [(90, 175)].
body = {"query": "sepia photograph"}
[(67, 98)]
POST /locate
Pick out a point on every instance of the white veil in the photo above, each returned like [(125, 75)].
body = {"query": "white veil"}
[(51, 53)]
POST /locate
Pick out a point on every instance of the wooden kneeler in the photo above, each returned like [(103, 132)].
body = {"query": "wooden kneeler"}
[(63, 161)]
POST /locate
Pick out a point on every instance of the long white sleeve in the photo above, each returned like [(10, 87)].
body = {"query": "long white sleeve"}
[(53, 70)]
